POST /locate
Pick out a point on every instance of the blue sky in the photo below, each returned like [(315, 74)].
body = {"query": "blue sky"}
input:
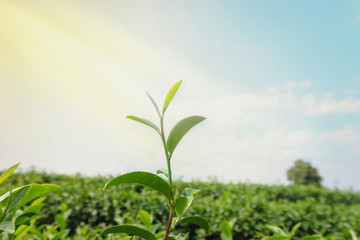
[(277, 81)]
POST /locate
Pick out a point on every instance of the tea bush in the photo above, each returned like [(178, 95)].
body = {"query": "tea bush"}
[(254, 205)]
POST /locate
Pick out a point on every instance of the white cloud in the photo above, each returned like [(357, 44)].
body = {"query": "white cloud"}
[(328, 104), (291, 84), (305, 84)]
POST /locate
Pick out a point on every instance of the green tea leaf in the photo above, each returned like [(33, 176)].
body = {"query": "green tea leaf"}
[(278, 237), (154, 103), (7, 227), (37, 190), (61, 221), (144, 121), (191, 192), (180, 129), (353, 235), (16, 196), (295, 228), (170, 95), (143, 178), (8, 172), (226, 229), (61, 234), (313, 238), (165, 172), (129, 229), (24, 194), (200, 221), (180, 206), (24, 219), (145, 218), (276, 230)]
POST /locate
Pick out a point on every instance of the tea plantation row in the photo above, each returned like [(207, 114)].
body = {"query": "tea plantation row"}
[(82, 202)]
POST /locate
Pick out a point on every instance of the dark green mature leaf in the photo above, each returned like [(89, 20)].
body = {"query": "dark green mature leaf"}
[(170, 95), (180, 206), (154, 103), (16, 196), (129, 229), (24, 219), (8, 172), (143, 178), (144, 121), (180, 129), (200, 221)]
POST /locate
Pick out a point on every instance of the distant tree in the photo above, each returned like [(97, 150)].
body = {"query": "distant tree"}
[(303, 173)]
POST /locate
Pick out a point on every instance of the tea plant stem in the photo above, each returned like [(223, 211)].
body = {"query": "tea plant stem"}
[(168, 156), (169, 224)]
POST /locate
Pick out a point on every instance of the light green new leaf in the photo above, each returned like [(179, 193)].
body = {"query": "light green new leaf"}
[(224, 237), (200, 221), (154, 103), (61, 235), (37, 190), (165, 172), (277, 230), (353, 235), (295, 228), (180, 129), (143, 178), (180, 206), (129, 229), (8, 172), (170, 95), (144, 121), (191, 192), (226, 229), (145, 218)]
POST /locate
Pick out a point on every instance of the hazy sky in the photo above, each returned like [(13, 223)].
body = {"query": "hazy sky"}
[(277, 81)]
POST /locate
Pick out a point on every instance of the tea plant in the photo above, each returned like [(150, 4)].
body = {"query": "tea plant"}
[(226, 229), (15, 221), (282, 234), (178, 203)]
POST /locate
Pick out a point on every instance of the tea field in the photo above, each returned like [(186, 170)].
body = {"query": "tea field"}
[(81, 209)]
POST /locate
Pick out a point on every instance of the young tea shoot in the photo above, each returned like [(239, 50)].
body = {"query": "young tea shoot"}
[(178, 204)]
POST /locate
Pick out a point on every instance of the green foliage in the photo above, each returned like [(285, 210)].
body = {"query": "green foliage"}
[(180, 204), (280, 234), (226, 229), (303, 173), (144, 178), (255, 206), (14, 221)]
